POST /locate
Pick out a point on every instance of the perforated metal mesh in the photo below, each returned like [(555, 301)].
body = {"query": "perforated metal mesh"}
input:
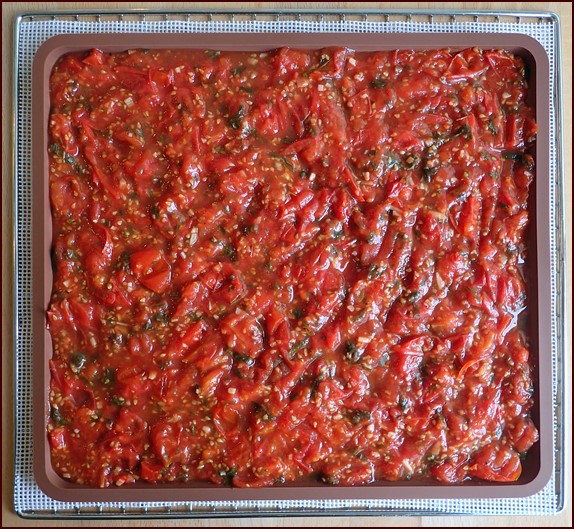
[(32, 31)]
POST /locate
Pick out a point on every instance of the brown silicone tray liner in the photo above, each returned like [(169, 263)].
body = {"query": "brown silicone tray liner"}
[(538, 465)]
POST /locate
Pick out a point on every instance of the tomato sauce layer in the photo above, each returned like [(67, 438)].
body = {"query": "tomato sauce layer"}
[(289, 265)]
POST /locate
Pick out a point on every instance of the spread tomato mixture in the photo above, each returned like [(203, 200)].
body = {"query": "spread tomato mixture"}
[(289, 265)]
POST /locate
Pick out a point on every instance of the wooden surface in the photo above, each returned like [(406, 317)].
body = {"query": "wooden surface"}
[(564, 519)]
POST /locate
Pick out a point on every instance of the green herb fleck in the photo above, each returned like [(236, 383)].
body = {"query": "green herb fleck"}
[(78, 361), (403, 403), (375, 271), (378, 83), (352, 352), (57, 417), (384, 359), (429, 172), (412, 160), (262, 411), (492, 127), (337, 234), (357, 416), (235, 120), (413, 296), (512, 155), (298, 313), (213, 54), (465, 131), (56, 149), (161, 316), (71, 254), (228, 475), (109, 377), (230, 251), (283, 159), (301, 344), (154, 211), (243, 358)]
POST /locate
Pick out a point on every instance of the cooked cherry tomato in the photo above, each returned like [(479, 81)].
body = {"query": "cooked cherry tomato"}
[(289, 265)]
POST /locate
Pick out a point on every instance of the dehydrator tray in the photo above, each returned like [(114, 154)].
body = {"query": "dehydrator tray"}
[(265, 30)]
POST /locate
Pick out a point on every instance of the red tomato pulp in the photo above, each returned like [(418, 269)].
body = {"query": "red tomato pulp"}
[(292, 264)]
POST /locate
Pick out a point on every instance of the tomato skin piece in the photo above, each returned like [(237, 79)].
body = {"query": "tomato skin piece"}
[(57, 438), (450, 471), (151, 471), (170, 444), (496, 464), (151, 268), (523, 435), (158, 281)]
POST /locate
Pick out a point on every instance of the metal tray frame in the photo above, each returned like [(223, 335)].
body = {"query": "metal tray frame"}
[(21, 305)]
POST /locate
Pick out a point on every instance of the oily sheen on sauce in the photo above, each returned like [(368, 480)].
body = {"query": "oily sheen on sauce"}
[(290, 265)]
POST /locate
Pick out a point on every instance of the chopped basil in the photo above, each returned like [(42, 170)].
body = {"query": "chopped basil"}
[(492, 127), (352, 352), (412, 160), (57, 149), (301, 344), (337, 234), (262, 412), (512, 155), (465, 131), (519, 157), (283, 159), (413, 296), (230, 251), (357, 416), (78, 361), (228, 475), (235, 120), (154, 210), (298, 313), (403, 403), (213, 54), (57, 417), (123, 262), (109, 377), (384, 359), (245, 359), (378, 83), (161, 315), (429, 172), (375, 271), (71, 254)]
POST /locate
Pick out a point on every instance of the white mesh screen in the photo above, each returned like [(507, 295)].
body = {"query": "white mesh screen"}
[(29, 500)]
